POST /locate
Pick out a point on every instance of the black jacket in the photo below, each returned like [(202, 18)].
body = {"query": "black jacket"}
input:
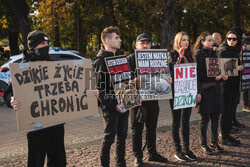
[(105, 87), (28, 58), (225, 51), (211, 97), (174, 58)]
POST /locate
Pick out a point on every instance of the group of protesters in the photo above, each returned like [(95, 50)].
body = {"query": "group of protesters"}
[(216, 100)]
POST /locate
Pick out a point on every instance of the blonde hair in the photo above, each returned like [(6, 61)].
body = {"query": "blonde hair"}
[(177, 40)]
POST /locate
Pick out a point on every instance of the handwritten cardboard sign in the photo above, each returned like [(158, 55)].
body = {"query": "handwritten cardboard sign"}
[(53, 92), (245, 82), (124, 85), (222, 66), (185, 85), (153, 71)]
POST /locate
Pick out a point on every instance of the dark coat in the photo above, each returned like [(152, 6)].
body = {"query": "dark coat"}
[(225, 51), (106, 90), (211, 96), (174, 58)]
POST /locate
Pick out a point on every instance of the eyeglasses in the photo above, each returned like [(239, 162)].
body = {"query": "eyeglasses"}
[(230, 39)]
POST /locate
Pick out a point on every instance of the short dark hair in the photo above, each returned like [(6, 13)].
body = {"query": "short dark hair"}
[(106, 33)]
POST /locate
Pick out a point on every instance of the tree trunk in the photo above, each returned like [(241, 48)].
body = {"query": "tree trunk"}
[(237, 9), (21, 10), (169, 26), (57, 35), (109, 13), (13, 42)]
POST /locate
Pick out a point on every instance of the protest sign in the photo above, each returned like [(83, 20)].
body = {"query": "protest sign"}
[(153, 71), (185, 85), (222, 66), (127, 95), (53, 92), (245, 82)]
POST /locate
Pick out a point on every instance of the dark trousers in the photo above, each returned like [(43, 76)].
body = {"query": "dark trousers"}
[(148, 113), (237, 101), (50, 142), (183, 116), (245, 97), (115, 125), (214, 117), (230, 97)]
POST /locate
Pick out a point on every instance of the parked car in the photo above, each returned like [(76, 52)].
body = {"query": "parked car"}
[(5, 78)]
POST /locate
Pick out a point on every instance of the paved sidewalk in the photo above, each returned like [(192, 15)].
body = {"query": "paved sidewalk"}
[(76, 132)]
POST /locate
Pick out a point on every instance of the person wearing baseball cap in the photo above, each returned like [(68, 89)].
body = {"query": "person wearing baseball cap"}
[(147, 113), (47, 141)]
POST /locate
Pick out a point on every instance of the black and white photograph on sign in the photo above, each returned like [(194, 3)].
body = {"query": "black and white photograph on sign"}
[(222, 66), (245, 82), (229, 66), (153, 71), (155, 87), (127, 95)]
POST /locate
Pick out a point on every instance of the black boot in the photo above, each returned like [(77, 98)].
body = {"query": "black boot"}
[(157, 158)]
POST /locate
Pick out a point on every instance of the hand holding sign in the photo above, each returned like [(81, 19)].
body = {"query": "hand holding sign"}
[(224, 77), (240, 68), (217, 78), (198, 98), (15, 103), (118, 108)]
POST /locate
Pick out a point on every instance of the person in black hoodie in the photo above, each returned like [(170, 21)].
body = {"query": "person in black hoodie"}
[(48, 141), (211, 103), (230, 49), (181, 53), (115, 119), (146, 114)]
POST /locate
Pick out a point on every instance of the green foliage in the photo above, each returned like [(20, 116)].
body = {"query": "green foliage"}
[(131, 16)]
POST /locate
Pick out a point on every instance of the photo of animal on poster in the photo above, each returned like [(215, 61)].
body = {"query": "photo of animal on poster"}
[(155, 86), (127, 95), (153, 72), (222, 66), (124, 84)]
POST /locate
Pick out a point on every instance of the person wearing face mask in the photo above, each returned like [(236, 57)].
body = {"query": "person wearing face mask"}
[(211, 104), (48, 141), (181, 53), (146, 114), (230, 49)]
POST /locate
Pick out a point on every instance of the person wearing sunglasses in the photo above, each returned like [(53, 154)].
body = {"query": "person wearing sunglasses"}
[(230, 49)]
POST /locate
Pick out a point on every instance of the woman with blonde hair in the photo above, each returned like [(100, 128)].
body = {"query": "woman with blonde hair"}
[(181, 53)]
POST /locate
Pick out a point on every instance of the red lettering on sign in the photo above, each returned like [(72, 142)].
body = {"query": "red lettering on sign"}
[(192, 74), (179, 73)]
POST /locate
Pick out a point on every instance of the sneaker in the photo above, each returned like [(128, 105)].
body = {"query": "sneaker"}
[(236, 124), (138, 162), (181, 157), (246, 108), (216, 148), (230, 141), (190, 155), (206, 149), (157, 158)]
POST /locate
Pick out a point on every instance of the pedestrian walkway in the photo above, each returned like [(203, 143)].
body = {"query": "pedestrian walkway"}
[(78, 131)]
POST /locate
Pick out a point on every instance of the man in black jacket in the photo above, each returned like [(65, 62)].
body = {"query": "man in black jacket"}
[(115, 119), (147, 113), (48, 141)]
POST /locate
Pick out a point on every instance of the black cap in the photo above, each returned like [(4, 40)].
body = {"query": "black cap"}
[(35, 38), (143, 37)]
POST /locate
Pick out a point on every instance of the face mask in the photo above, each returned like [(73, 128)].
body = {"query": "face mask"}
[(42, 53)]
